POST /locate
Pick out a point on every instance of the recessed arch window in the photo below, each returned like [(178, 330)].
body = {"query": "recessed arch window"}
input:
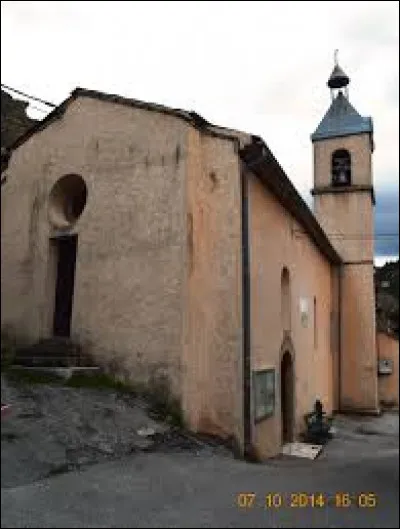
[(285, 299), (341, 168), (67, 200), (315, 324)]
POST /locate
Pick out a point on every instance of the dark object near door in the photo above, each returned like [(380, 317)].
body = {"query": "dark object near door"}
[(318, 425)]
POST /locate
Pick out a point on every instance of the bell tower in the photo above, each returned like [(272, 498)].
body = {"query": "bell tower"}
[(343, 204)]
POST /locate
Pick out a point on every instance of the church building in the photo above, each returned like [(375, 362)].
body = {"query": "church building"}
[(172, 249)]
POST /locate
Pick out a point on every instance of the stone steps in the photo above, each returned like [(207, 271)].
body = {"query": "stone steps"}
[(52, 352)]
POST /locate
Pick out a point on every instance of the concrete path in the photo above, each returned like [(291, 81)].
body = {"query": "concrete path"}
[(178, 490)]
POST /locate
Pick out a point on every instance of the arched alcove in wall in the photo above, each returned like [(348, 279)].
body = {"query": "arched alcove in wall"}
[(285, 300), (287, 397)]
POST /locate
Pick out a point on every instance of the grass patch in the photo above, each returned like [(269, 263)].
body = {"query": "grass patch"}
[(98, 381), (8, 350), (162, 404), (23, 376), (168, 410)]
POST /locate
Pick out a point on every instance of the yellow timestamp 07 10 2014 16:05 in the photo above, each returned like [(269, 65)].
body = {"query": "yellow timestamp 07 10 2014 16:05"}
[(275, 500)]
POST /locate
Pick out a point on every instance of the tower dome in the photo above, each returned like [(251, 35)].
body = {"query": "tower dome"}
[(338, 79)]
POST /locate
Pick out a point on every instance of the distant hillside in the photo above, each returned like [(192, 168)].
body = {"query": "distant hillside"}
[(387, 218), (387, 297), (14, 120)]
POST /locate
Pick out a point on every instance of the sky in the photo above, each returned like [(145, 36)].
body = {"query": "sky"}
[(260, 67)]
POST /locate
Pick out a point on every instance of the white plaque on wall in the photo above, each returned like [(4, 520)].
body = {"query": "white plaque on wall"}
[(304, 312)]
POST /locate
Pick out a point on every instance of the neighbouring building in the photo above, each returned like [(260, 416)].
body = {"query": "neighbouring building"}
[(172, 247), (388, 368)]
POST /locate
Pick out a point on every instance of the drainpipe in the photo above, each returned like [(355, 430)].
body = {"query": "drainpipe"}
[(340, 269), (246, 320)]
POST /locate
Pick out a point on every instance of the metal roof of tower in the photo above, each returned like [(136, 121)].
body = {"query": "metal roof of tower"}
[(342, 119)]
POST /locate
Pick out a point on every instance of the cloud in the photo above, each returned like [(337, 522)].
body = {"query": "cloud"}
[(260, 67), (372, 28), (392, 92)]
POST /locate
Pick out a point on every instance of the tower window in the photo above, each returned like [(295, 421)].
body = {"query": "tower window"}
[(341, 168)]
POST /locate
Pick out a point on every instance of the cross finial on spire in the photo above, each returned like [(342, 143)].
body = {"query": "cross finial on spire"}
[(335, 57)]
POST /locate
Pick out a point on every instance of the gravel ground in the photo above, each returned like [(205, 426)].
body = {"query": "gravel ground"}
[(54, 435), (53, 429)]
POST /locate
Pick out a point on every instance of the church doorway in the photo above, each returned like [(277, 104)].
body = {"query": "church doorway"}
[(287, 398), (66, 263)]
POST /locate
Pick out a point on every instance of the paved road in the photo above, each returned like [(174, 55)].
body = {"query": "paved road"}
[(184, 489)]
